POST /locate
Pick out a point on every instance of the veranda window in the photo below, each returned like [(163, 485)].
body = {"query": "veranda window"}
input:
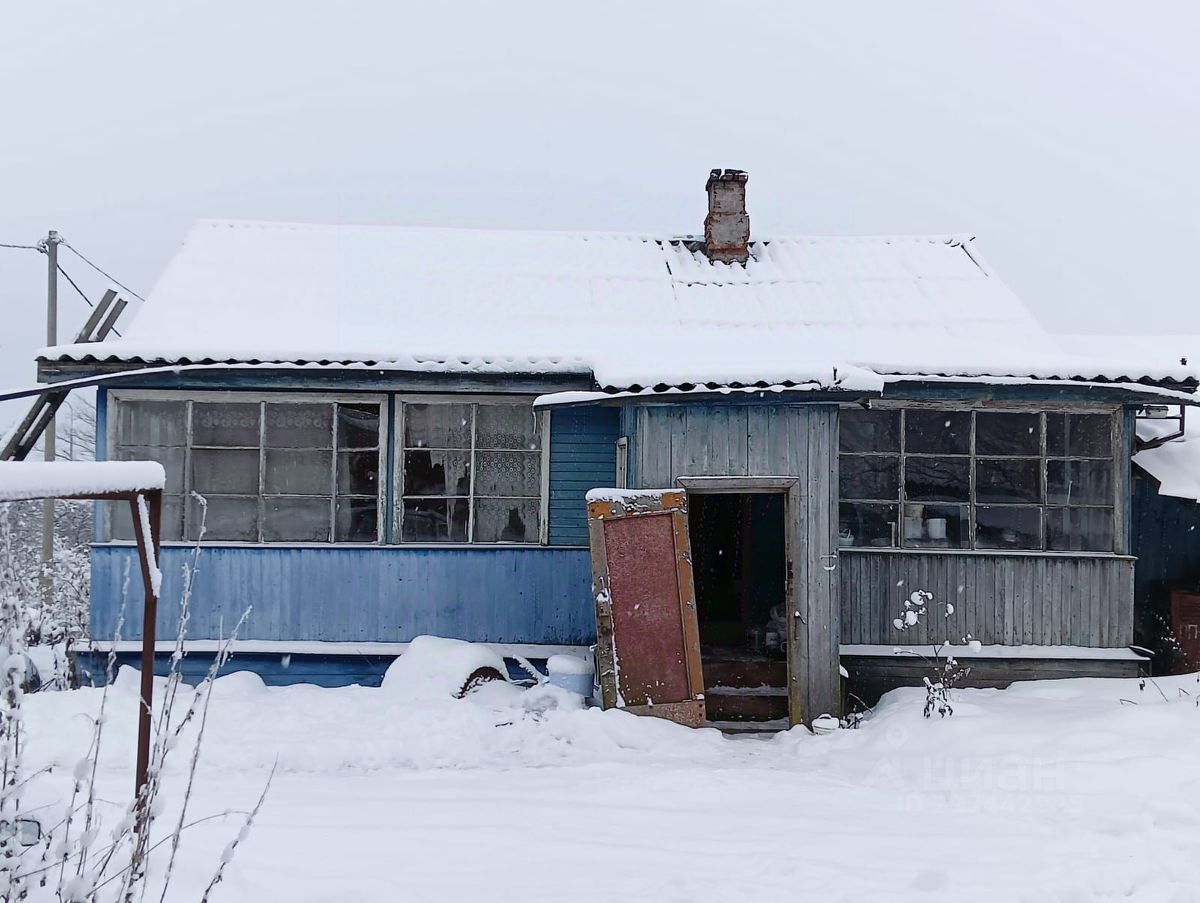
[(919, 478), (271, 471), (471, 472)]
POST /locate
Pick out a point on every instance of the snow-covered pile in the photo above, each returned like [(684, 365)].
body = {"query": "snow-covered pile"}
[(435, 668), (21, 480), (1058, 791)]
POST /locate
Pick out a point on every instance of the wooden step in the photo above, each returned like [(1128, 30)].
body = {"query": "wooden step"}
[(748, 672), (750, 727), (746, 703)]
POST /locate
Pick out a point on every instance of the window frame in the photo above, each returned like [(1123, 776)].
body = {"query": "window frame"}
[(1115, 505), (474, 399), (118, 396)]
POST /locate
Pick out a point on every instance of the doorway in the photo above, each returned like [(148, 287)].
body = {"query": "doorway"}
[(739, 566)]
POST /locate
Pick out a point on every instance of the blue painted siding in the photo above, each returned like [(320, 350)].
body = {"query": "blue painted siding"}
[(358, 594), (583, 455)]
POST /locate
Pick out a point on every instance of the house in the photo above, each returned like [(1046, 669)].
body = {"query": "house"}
[(393, 430)]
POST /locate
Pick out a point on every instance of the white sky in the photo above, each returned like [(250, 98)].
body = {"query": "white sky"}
[(1064, 134)]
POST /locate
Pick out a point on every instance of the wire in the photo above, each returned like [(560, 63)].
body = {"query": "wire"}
[(21, 247), (85, 298), (65, 244)]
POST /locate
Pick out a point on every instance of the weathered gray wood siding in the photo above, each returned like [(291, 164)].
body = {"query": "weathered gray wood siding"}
[(1051, 600), (673, 441)]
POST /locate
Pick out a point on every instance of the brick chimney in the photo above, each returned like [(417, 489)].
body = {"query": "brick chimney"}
[(727, 226)]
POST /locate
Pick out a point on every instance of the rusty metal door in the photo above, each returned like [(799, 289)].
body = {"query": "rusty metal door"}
[(648, 641)]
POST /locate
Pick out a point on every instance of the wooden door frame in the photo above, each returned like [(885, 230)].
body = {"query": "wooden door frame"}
[(793, 507)]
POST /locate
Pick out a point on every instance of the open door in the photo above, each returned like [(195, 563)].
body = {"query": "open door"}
[(648, 642)]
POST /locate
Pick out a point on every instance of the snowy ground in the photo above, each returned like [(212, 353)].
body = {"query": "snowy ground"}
[(1044, 792)]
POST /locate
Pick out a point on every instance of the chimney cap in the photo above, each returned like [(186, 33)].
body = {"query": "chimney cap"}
[(725, 175)]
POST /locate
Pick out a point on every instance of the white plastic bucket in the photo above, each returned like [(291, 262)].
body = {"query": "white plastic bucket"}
[(825, 724), (570, 673)]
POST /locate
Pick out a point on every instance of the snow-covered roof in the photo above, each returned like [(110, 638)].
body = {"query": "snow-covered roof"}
[(21, 480), (634, 310)]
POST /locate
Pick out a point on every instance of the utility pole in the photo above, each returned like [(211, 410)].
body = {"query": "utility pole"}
[(52, 242)]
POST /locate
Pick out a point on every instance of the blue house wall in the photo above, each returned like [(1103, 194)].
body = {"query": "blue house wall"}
[(537, 595)]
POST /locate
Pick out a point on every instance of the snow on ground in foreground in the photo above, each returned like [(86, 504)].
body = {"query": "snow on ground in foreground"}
[(1052, 791)]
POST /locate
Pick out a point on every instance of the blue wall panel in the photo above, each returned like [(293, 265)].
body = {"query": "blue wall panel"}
[(583, 455), (356, 594)]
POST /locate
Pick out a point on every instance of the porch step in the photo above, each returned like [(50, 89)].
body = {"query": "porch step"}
[(749, 727), (746, 704), (744, 672)]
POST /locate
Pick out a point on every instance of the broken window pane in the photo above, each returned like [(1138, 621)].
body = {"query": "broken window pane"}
[(1079, 482), (231, 518), (292, 425), (298, 472), (1079, 435), (1008, 480), (1008, 528), (862, 430), (1079, 529), (358, 472), (507, 426), (437, 426), (225, 424), (358, 425), (937, 479), (508, 473), (224, 471), (869, 476), (506, 520), (437, 472), (357, 520), (1007, 434), (937, 526), (937, 432), (434, 520), (296, 519), (861, 524)]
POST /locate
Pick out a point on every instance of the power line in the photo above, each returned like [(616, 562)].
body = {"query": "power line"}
[(21, 247), (67, 245)]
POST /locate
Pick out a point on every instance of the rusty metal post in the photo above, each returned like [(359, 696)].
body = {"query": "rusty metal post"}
[(149, 548)]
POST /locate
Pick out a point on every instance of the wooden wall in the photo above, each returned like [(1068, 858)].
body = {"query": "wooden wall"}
[(358, 594), (583, 456), (1009, 599), (669, 442)]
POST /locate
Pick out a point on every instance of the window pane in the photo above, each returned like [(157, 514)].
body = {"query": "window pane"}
[(937, 526), (1079, 482), (861, 524), (296, 520), (1079, 529), (506, 520), (229, 517), (121, 522), (170, 458), (937, 432), (434, 520), (508, 473), (290, 472), (299, 425), (437, 472), (869, 476), (358, 473), (861, 430), (1008, 528), (1008, 480), (225, 424), (162, 423), (358, 425), (1079, 435), (225, 471), (1007, 434), (507, 426), (437, 426), (937, 479), (357, 520)]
